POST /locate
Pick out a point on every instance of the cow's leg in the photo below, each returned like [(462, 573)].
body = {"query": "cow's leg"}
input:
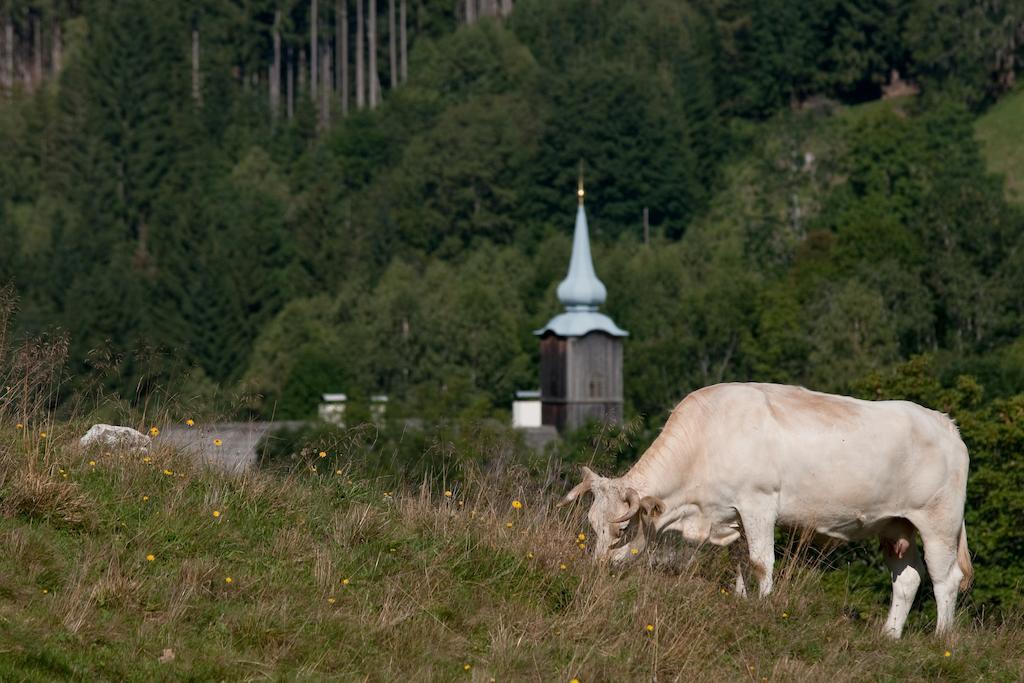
[(906, 568), (759, 528), (737, 553), (940, 556)]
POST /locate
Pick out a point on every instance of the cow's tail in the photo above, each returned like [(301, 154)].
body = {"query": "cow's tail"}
[(963, 558)]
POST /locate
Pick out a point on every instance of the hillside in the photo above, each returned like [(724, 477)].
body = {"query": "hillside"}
[(1001, 132), (123, 567)]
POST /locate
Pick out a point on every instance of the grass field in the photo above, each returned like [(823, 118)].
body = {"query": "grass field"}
[(1001, 133), (116, 566)]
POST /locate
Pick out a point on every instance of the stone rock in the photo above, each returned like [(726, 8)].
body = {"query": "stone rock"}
[(115, 437)]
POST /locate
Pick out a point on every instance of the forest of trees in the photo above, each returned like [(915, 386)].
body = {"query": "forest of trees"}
[(282, 197)]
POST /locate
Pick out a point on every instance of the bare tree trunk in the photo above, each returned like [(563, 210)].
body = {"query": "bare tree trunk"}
[(7, 56), (470, 12), (392, 44), (291, 85), (341, 22), (197, 94), (325, 86), (37, 51), (360, 73), (314, 52), (488, 8), (302, 72), (506, 7), (275, 69), (371, 39), (56, 49), (405, 41)]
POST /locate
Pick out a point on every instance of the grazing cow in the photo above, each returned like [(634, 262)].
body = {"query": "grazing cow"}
[(737, 459)]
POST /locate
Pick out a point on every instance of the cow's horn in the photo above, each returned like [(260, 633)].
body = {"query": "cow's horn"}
[(633, 498), (580, 488)]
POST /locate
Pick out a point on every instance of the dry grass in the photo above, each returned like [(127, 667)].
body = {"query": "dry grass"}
[(40, 495), (333, 577)]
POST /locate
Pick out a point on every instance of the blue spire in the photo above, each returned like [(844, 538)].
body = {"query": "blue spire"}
[(581, 292)]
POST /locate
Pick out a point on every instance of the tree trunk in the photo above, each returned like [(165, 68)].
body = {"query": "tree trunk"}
[(506, 7), (302, 71), (291, 85), (392, 45), (196, 92), (37, 51), (470, 12), (56, 49), (7, 56), (360, 72), (275, 69), (314, 52), (325, 86), (404, 39), (341, 40), (371, 39)]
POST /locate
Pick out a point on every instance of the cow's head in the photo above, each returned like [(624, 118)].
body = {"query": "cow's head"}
[(621, 518)]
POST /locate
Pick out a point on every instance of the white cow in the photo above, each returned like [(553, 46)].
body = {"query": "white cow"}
[(737, 459)]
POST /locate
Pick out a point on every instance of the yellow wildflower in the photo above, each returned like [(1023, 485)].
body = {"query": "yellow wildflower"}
[(447, 494), (581, 546), (147, 459), (947, 653), (228, 579), (145, 498), (508, 525), (529, 556), (562, 567), (19, 426), (217, 442), (650, 628), (337, 471), (323, 454), (190, 422), (169, 473), (634, 551), (785, 615), (150, 557), (92, 463), (154, 431), (517, 505), (467, 666), (581, 537), (216, 513), (344, 582), (575, 680), (42, 435), (330, 600)]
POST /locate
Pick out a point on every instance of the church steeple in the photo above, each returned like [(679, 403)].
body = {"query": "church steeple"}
[(581, 348), (581, 292)]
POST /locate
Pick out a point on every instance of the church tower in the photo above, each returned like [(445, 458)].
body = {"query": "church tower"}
[(581, 348)]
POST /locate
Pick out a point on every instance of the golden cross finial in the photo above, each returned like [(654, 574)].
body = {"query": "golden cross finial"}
[(579, 187)]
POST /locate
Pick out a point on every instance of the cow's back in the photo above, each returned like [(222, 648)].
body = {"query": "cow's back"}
[(827, 458)]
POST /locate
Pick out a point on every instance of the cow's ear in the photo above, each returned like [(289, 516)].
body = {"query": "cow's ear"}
[(579, 489), (652, 506)]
